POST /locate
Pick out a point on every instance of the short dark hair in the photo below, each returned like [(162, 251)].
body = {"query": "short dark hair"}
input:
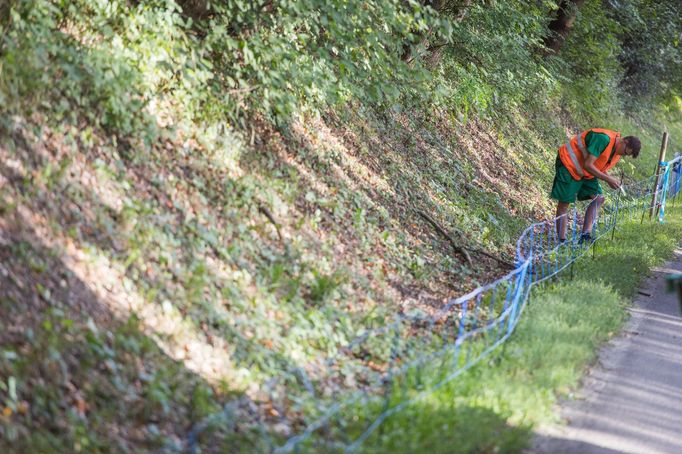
[(634, 144)]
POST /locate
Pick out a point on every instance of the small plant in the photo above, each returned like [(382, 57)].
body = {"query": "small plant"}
[(324, 286)]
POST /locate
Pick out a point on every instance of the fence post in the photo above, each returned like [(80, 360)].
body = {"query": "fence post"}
[(615, 216), (657, 172)]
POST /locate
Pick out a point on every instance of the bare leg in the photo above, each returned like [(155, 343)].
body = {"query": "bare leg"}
[(591, 213), (562, 219)]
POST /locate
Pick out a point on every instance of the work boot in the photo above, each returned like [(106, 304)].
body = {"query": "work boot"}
[(585, 238)]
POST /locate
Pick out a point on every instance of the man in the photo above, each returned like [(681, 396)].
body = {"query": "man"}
[(582, 162)]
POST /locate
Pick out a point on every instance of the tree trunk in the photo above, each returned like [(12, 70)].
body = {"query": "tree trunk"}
[(196, 9), (5, 7), (561, 25)]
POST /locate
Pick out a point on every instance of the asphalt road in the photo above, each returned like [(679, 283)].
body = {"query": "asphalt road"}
[(631, 401)]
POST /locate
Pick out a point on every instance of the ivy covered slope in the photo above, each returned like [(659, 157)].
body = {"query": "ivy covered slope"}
[(197, 195)]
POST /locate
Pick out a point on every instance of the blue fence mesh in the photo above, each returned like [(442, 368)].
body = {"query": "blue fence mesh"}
[(336, 403)]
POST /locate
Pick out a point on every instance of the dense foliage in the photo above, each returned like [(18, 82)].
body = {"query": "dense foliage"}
[(225, 59), (111, 58), (651, 36), (317, 52)]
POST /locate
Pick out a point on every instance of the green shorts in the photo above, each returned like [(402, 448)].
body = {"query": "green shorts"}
[(566, 189)]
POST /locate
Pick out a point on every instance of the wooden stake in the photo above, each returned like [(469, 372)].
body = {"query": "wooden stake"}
[(657, 172)]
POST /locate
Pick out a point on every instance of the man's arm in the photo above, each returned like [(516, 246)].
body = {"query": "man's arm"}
[(589, 166)]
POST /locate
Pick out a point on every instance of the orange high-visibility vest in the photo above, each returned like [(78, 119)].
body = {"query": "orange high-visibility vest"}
[(574, 152)]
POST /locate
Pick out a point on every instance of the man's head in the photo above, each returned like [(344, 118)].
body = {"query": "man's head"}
[(631, 146)]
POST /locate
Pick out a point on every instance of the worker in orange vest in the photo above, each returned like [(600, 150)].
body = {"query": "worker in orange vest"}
[(582, 161)]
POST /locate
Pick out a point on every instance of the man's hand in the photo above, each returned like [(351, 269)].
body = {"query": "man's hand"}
[(613, 183)]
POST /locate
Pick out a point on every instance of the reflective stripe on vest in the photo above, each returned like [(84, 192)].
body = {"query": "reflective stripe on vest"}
[(581, 145), (574, 159)]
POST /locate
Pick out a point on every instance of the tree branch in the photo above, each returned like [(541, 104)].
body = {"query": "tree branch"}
[(262, 209), (561, 25), (452, 241), (464, 250)]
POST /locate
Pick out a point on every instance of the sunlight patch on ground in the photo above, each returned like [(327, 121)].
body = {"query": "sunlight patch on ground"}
[(173, 333), (322, 138)]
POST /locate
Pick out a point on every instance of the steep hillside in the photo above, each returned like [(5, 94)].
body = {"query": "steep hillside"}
[(236, 265), (172, 235), (168, 278)]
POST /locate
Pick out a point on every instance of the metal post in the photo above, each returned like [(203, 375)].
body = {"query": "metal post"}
[(664, 189), (615, 216), (676, 182), (657, 172)]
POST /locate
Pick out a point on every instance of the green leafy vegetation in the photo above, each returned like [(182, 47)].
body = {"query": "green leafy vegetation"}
[(196, 196)]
